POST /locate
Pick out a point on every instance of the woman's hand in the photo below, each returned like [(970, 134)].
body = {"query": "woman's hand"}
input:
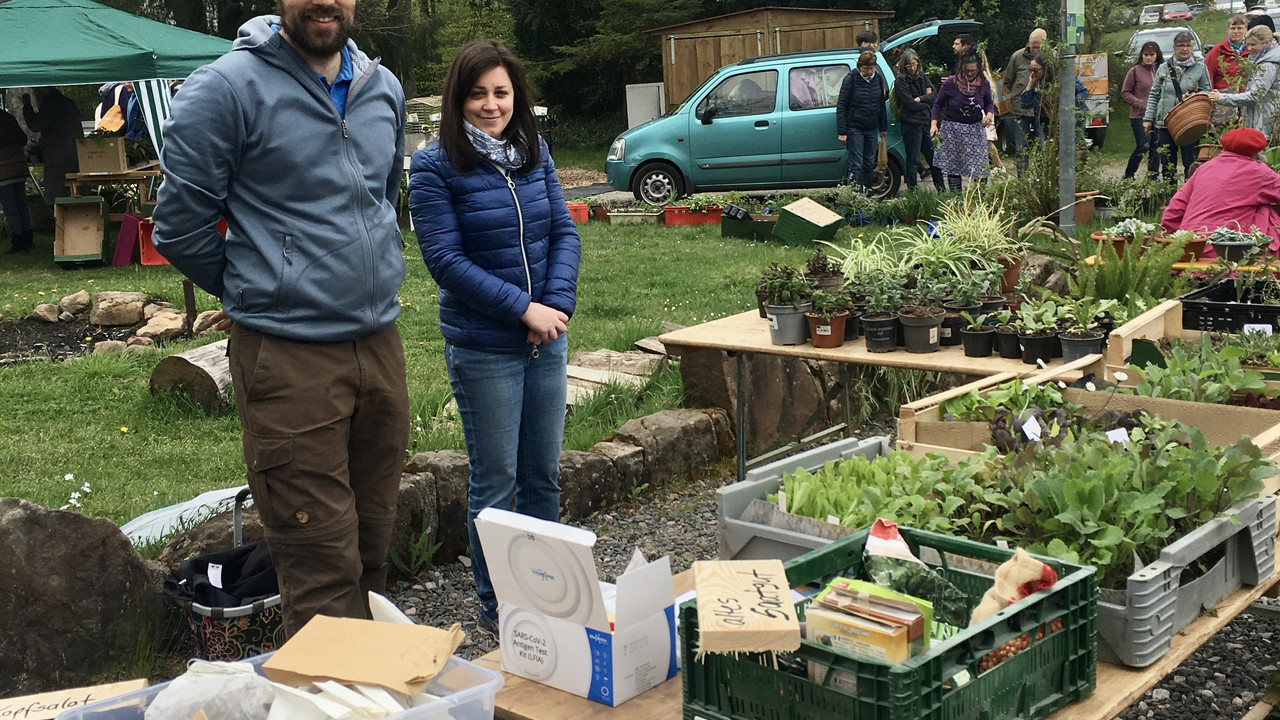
[(1214, 95), (842, 138), (1146, 126), (933, 129), (545, 323), (987, 119)]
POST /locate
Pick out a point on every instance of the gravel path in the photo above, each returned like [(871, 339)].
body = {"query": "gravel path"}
[(1224, 679)]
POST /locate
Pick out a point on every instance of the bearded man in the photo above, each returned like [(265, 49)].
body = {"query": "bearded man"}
[(296, 138)]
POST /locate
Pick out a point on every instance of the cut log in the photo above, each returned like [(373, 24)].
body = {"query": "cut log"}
[(202, 374)]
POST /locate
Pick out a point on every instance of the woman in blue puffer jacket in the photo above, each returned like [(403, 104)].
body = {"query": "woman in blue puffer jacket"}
[(497, 237)]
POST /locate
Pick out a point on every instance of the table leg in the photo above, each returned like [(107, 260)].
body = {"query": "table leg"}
[(742, 416)]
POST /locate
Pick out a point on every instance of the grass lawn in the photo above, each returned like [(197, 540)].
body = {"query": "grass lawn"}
[(93, 420)]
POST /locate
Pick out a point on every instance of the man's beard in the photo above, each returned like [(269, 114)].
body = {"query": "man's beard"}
[(321, 43)]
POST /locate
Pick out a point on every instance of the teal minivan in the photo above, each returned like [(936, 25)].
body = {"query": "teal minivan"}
[(765, 122)]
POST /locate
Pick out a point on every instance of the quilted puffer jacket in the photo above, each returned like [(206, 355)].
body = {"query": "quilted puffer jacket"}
[(494, 240)]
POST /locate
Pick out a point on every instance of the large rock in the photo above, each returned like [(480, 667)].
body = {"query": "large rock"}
[(204, 321), (588, 482), (164, 325), (74, 303), (417, 522), (784, 392), (212, 535), (450, 470), (627, 461), (76, 599), (633, 362), (45, 312), (117, 308), (676, 443)]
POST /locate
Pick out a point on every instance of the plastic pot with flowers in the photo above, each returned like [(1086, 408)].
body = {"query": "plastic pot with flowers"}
[(1122, 235)]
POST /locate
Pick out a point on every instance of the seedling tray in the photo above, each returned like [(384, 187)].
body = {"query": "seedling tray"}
[(1054, 670), (1216, 308)]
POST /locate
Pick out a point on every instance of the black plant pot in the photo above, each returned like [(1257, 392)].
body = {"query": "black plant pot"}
[(995, 303), (1037, 348), (922, 334), (852, 326), (1233, 251), (1076, 348), (978, 343), (881, 332), (950, 332), (1009, 344)]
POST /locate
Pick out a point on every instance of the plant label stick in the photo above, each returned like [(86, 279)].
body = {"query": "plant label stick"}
[(745, 606)]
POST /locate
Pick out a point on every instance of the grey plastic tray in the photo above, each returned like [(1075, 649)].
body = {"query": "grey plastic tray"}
[(745, 540), (1157, 604)]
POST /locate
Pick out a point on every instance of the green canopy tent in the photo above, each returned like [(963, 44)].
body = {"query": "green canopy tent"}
[(79, 42)]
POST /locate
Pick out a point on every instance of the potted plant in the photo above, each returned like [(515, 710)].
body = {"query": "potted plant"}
[(771, 274), (1007, 342), (822, 272), (827, 317), (883, 293), (635, 214), (599, 208), (1124, 233), (964, 298), (988, 282), (1192, 244), (917, 204), (786, 298), (1083, 336), (921, 317), (857, 306), (977, 336), (1037, 325), (1233, 246), (855, 206), (698, 209)]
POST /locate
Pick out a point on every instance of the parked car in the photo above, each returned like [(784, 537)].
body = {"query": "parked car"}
[(1197, 8), (1150, 14), (1175, 12), (1162, 36), (764, 122)]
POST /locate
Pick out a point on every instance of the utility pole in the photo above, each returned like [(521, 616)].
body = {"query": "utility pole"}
[(1072, 27)]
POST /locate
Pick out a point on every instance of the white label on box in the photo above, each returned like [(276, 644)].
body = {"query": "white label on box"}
[(833, 519), (933, 335), (215, 575), (1031, 428), (823, 329), (773, 321), (782, 500), (1261, 328), (1119, 435)]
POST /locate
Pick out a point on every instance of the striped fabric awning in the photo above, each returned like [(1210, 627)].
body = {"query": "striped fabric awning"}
[(153, 97)]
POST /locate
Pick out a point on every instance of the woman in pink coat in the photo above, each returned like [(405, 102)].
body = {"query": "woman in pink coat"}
[(1202, 206)]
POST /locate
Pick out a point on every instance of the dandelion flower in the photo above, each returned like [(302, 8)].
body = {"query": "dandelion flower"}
[(40, 293), (124, 429)]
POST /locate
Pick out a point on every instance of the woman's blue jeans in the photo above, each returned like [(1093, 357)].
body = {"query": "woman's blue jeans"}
[(512, 409), (1143, 145), (916, 141), (862, 146)]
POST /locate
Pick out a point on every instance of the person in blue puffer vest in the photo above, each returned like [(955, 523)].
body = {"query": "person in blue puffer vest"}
[(496, 235)]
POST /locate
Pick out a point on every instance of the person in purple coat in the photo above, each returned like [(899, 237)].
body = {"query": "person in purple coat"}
[(961, 112)]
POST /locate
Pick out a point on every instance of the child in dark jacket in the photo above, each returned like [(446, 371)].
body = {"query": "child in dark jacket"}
[(914, 95), (861, 119)]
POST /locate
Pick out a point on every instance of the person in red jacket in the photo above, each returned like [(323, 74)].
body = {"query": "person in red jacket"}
[(1223, 64), (1200, 204)]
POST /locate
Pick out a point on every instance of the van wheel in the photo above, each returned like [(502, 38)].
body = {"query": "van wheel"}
[(888, 181), (657, 184)]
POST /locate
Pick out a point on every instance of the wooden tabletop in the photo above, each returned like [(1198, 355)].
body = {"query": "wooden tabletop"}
[(1117, 687), (748, 332)]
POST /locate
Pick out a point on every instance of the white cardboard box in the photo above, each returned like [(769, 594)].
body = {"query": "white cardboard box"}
[(554, 622)]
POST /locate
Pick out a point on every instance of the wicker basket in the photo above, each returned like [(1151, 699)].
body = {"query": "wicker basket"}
[(1188, 121)]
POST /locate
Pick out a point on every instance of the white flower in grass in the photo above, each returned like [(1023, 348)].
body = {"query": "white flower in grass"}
[(1090, 386), (69, 477)]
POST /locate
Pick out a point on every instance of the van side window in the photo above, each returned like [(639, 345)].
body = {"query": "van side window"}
[(813, 87), (752, 93)]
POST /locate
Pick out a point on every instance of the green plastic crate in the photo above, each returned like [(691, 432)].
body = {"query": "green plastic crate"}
[(1051, 672), (759, 227), (804, 221)]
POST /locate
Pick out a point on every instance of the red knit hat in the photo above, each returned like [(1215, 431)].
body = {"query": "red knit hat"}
[(1245, 141)]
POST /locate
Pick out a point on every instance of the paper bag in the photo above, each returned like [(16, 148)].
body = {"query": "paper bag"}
[(882, 156)]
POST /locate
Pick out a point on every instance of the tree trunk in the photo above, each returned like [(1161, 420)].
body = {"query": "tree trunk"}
[(202, 374)]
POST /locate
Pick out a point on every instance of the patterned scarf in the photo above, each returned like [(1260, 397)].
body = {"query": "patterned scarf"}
[(1184, 64), (499, 152), (968, 87)]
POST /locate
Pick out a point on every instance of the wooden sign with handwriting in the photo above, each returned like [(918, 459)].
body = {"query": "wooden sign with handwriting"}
[(745, 606)]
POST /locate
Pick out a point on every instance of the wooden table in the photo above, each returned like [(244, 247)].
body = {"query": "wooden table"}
[(142, 178), (747, 333), (1117, 687)]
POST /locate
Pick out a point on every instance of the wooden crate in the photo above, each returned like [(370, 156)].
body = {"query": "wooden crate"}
[(81, 227)]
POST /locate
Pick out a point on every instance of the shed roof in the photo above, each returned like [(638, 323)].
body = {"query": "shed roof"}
[(855, 14)]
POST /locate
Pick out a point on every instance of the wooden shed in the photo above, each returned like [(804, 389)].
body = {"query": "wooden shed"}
[(692, 50)]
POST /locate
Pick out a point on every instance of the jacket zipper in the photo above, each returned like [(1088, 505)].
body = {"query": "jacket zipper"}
[(524, 257), (367, 238)]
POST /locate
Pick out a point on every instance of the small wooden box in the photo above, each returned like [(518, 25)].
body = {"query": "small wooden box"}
[(806, 220), (80, 229), (102, 155)]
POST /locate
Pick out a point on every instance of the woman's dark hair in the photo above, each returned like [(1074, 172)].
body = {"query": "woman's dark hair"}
[(970, 58), (473, 60), (1147, 47), (867, 58)]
